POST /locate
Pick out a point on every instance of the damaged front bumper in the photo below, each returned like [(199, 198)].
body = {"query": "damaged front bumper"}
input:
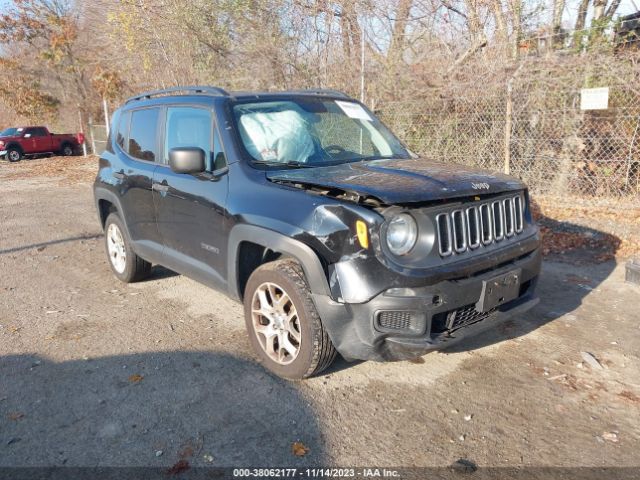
[(401, 323)]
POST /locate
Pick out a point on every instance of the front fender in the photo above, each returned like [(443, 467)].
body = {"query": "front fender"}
[(278, 242)]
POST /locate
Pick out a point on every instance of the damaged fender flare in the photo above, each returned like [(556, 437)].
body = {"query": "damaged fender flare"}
[(278, 242)]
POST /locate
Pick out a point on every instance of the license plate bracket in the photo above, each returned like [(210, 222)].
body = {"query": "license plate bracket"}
[(498, 290)]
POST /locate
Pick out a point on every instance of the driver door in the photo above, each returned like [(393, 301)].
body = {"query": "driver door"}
[(29, 141)]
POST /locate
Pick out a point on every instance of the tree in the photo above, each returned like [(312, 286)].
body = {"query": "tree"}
[(23, 95)]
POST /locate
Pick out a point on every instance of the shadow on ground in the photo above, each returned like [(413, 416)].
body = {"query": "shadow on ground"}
[(49, 243), (152, 409), (158, 272)]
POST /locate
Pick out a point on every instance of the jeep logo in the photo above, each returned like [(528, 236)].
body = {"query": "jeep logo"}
[(480, 186)]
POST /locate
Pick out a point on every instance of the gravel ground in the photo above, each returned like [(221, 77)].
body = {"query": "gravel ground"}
[(94, 372)]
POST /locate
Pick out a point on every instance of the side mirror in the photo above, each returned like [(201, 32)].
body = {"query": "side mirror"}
[(187, 160)]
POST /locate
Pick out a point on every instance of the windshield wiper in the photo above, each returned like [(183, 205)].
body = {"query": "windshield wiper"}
[(377, 157), (289, 164)]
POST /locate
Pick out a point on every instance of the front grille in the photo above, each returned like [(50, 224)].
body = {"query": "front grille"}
[(394, 320), (465, 316), (479, 225), (455, 319)]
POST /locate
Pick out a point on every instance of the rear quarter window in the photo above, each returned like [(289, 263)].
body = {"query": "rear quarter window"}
[(123, 130), (143, 134)]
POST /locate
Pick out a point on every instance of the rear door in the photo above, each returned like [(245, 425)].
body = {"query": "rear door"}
[(191, 207), (137, 145)]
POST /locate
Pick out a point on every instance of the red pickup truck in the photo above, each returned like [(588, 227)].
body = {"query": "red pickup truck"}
[(17, 142)]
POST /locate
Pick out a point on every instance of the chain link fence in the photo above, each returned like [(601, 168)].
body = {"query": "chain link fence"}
[(97, 138), (525, 118)]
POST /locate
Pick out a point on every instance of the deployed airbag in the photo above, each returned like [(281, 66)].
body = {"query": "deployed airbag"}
[(277, 136)]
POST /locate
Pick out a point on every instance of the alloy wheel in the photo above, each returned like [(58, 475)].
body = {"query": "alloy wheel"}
[(276, 323), (116, 248)]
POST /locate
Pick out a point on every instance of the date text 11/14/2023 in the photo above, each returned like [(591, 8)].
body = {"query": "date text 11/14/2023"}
[(316, 473)]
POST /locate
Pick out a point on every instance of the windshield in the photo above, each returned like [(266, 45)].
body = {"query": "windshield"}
[(313, 132), (10, 132)]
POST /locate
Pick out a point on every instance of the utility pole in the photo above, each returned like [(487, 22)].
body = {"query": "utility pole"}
[(362, 65), (93, 140), (84, 142)]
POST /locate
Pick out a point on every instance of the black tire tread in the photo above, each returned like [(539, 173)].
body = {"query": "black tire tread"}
[(324, 353), (17, 149), (63, 146), (140, 268)]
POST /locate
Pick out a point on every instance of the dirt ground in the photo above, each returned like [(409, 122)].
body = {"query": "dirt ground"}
[(97, 373)]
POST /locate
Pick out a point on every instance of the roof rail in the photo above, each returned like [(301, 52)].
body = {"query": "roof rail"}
[(320, 91), (195, 89)]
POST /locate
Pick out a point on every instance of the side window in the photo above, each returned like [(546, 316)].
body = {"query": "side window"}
[(189, 127), (143, 134), (39, 132), (219, 159), (123, 130)]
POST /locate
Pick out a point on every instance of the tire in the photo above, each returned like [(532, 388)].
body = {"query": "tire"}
[(125, 264), (66, 150), (314, 351), (14, 154)]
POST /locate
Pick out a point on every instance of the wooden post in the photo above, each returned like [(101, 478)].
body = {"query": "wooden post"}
[(507, 127), (106, 114), (508, 121), (93, 140)]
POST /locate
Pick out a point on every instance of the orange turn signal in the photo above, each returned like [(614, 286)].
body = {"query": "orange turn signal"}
[(363, 234)]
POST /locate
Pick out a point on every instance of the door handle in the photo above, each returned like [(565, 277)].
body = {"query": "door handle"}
[(119, 175), (158, 187)]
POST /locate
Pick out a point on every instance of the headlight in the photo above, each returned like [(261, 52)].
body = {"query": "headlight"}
[(402, 234)]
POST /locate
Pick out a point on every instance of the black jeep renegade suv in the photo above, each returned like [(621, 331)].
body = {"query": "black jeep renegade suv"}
[(304, 206)]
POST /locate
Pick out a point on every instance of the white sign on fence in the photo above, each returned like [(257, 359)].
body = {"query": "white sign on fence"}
[(594, 98)]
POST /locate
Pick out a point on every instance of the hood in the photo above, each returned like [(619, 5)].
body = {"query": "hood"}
[(402, 181), (10, 137)]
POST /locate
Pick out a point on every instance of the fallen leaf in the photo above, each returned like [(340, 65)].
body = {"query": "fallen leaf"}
[(299, 449), (135, 378), (179, 467), (16, 416), (627, 395), (186, 452)]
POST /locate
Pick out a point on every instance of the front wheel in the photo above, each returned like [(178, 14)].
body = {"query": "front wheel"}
[(14, 155), (283, 324)]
